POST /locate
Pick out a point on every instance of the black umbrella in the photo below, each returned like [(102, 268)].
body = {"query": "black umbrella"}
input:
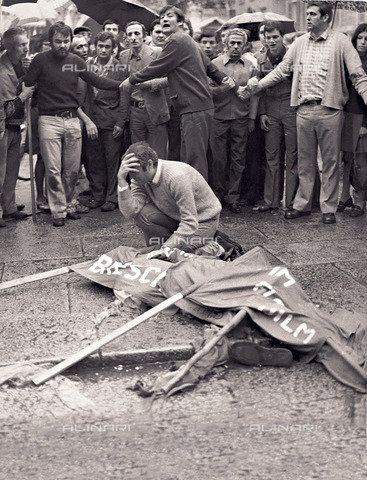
[(123, 11), (251, 21)]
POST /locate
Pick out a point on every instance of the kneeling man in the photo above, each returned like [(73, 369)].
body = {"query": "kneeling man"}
[(170, 201)]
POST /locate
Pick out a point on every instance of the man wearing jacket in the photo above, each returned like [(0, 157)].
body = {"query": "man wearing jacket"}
[(105, 110), (187, 67), (13, 95), (145, 105), (318, 62)]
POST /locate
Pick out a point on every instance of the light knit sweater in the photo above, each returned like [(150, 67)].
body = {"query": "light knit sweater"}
[(343, 54), (180, 192)]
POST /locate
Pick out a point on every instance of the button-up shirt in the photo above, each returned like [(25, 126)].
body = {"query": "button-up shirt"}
[(314, 67), (135, 66), (227, 104)]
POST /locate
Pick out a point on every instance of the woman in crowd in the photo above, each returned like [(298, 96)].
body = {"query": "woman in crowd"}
[(354, 138)]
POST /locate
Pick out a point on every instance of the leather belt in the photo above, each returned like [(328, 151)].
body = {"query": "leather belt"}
[(66, 114), (136, 104), (312, 102)]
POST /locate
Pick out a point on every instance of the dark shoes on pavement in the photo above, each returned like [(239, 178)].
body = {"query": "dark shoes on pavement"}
[(58, 222), (73, 216), (343, 205), (328, 218), (108, 207), (266, 208), (17, 215), (234, 208), (81, 208), (254, 354), (292, 214), (92, 203), (356, 211)]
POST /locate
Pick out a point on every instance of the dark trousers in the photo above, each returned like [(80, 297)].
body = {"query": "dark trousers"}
[(103, 164), (228, 145), (142, 129), (195, 132)]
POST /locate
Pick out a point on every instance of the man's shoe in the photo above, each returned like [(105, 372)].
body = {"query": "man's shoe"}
[(254, 354), (58, 222), (20, 207), (2, 222), (234, 208), (343, 205), (17, 215), (108, 207), (73, 216), (356, 211), (92, 203), (328, 218), (266, 208), (292, 214), (81, 208)]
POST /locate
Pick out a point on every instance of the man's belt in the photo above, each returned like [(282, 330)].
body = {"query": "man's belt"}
[(312, 102), (136, 104), (66, 114)]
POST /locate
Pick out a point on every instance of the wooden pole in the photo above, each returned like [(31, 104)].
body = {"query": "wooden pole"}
[(30, 155), (37, 276), (206, 349), (68, 362)]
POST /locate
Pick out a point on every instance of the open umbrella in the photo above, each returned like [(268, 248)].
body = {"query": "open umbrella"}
[(251, 22), (123, 11), (23, 13)]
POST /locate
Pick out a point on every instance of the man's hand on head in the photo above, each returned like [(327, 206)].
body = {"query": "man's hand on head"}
[(129, 164)]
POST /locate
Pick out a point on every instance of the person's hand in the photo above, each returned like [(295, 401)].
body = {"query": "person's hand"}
[(129, 164), (117, 132), (252, 84), (243, 93), (125, 85), (26, 62), (27, 92), (362, 131), (228, 82), (251, 125), (92, 130), (265, 122), (164, 252)]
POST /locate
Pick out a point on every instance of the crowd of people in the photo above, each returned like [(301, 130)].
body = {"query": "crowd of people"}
[(212, 121)]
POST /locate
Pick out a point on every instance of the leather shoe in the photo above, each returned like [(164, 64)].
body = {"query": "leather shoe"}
[(108, 207), (328, 218), (356, 211), (81, 208), (292, 214), (254, 354), (343, 205), (58, 222), (234, 208), (266, 208), (73, 216)]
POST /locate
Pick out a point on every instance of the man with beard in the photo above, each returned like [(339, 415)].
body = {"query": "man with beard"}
[(56, 73)]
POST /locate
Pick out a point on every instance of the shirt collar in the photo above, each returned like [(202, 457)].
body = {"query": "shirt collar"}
[(227, 59), (323, 36), (158, 172)]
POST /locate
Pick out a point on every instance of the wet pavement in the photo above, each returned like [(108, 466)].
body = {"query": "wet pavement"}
[(239, 423)]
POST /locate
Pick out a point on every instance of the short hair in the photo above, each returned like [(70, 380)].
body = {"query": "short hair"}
[(361, 28), (9, 35), (236, 31), (79, 30), (103, 36), (62, 29), (143, 153), (326, 8), (153, 24), (109, 21), (270, 25), (177, 11), (135, 22), (206, 33)]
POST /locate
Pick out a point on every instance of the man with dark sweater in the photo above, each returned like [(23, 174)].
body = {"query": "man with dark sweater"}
[(170, 201), (187, 68), (56, 73)]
